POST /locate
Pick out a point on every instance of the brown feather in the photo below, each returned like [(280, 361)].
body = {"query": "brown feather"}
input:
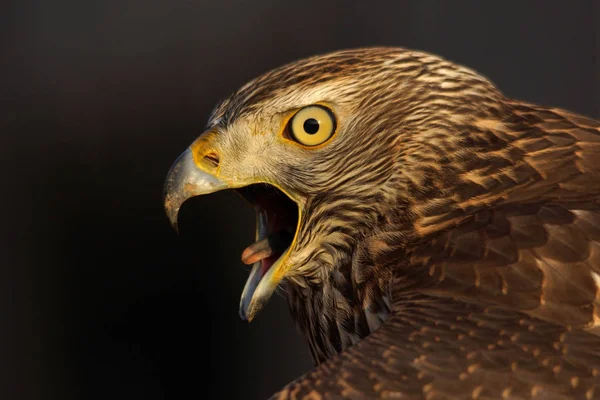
[(433, 347), (467, 221)]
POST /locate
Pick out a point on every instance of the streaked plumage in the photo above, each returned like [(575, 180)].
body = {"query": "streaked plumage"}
[(452, 235)]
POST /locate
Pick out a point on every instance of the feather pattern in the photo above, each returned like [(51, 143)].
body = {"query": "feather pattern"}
[(449, 246)]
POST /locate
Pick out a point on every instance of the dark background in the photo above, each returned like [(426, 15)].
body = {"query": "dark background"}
[(99, 298)]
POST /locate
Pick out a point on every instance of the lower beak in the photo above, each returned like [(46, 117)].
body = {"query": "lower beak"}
[(185, 180), (259, 288)]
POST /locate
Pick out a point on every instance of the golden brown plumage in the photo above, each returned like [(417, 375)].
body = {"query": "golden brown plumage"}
[(448, 238)]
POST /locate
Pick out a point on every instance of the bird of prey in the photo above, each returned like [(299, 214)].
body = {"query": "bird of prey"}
[(436, 239)]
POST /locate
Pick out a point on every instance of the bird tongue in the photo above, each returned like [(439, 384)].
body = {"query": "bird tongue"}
[(272, 245), (276, 226)]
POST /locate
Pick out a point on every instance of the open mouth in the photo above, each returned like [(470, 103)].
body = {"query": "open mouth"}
[(276, 223), (277, 218)]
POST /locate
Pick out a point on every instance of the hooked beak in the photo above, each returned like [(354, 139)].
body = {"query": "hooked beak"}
[(277, 219), (184, 181)]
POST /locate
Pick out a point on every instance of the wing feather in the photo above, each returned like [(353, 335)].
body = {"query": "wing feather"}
[(436, 348), (533, 246)]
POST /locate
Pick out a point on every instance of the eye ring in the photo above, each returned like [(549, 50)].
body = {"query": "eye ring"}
[(311, 126)]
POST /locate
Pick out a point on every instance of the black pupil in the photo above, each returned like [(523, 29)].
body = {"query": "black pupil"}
[(311, 126)]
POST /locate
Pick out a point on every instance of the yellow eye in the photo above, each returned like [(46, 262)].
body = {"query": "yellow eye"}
[(312, 125)]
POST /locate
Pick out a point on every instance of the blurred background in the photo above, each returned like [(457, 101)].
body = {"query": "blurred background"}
[(99, 298)]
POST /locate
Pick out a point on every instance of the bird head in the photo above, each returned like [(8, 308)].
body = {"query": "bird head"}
[(325, 150)]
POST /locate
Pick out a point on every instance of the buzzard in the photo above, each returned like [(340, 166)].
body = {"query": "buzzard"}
[(436, 239)]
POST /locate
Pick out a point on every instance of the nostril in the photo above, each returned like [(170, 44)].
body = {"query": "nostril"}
[(212, 159)]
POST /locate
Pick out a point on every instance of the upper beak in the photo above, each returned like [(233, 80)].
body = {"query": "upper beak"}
[(186, 180)]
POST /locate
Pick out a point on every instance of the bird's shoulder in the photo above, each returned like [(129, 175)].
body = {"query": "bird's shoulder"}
[(531, 240), (439, 348)]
